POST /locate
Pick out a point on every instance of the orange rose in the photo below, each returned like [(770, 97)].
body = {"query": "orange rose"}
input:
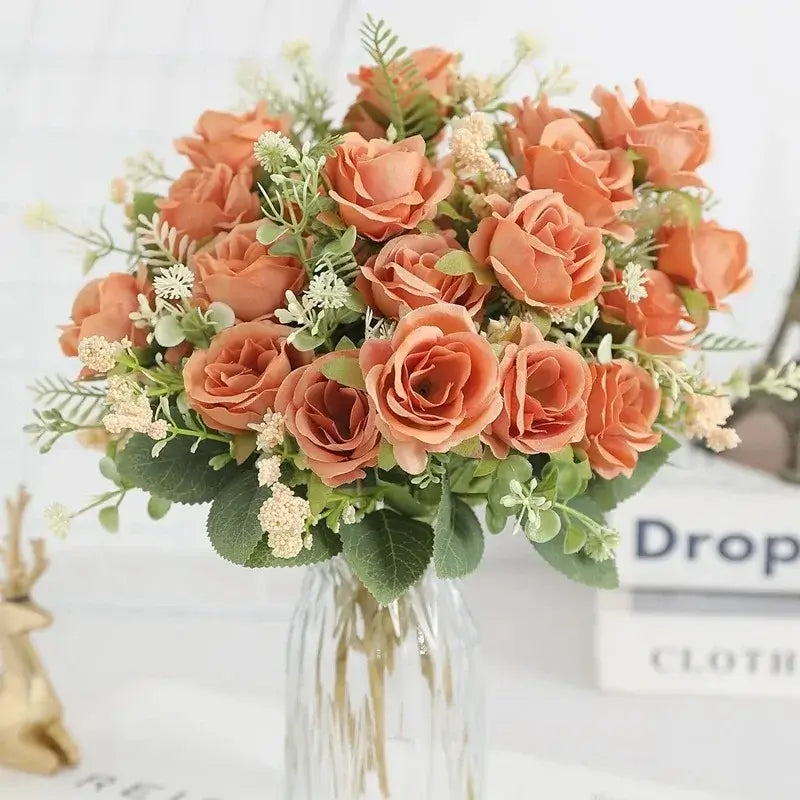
[(235, 381), (103, 308), (204, 201), (708, 258), (384, 188), (540, 250), (403, 276), (661, 320), (434, 385), (544, 387), (239, 271), (434, 69), (623, 405), (334, 425), (673, 138), (226, 138), (530, 124), (596, 183)]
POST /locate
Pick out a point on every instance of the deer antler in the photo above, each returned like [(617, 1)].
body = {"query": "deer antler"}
[(18, 580)]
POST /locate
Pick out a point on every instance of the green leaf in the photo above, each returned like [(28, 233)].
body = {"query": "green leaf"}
[(144, 203), (548, 528), (233, 525), (608, 494), (388, 552), (157, 507), (496, 520), (400, 499), (578, 567), (344, 370), (108, 469), (348, 239), (269, 232), (446, 209), (696, 304), (305, 340), (168, 331), (325, 544), (487, 465), (460, 262), (574, 539), (317, 494), (109, 518), (386, 459), (457, 537), (345, 343), (177, 474), (470, 448)]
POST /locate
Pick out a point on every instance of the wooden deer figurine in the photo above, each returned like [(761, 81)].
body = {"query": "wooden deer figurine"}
[(32, 737)]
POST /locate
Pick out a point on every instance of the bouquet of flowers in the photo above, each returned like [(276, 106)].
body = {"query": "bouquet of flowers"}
[(350, 338)]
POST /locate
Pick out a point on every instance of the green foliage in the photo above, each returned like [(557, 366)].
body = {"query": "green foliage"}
[(233, 525), (344, 370), (158, 507), (411, 108), (109, 518), (577, 566), (696, 305), (178, 474), (79, 400), (715, 343), (567, 473), (608, 494), (144, 204), (325, 544), (388, 552), (457, 537), (515, 467), (460, 262)]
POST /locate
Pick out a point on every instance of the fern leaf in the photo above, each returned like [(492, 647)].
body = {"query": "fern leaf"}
[(161, 245), (716, 343), (411, 109)]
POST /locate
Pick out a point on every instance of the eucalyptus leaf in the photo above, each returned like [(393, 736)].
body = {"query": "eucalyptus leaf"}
[(108, 469), (109, 518), (548, 527), (221, 315), (168, 331), (157, 507), (305, 340), (269, 232), (574, 539)]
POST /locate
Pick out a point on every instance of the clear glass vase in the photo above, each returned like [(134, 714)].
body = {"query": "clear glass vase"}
[(383, 702)]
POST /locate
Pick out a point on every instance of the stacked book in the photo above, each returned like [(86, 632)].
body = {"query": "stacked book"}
[(709, 567)]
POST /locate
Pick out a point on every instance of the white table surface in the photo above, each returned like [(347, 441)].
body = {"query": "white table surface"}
[(172, 645)]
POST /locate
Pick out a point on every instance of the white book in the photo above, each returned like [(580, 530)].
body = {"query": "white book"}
[(681, 643), (712, 526)]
